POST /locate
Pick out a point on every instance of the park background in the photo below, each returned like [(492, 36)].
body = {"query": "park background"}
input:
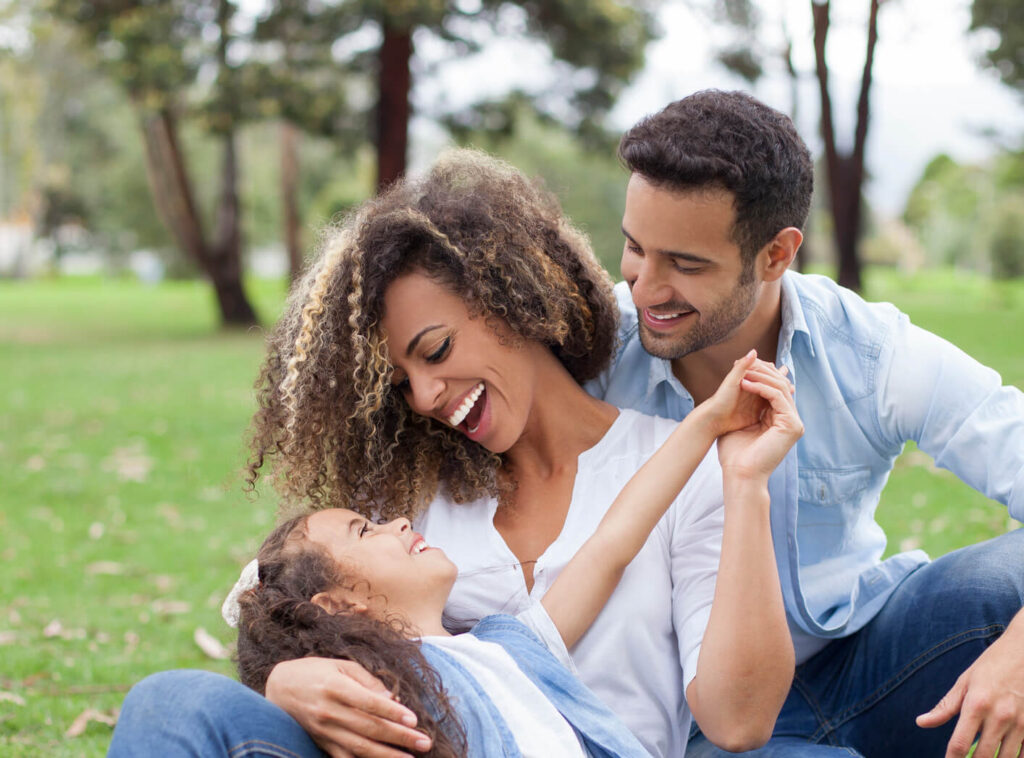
[(165, 167)]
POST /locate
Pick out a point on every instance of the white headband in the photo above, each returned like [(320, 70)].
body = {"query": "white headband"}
[(249, 578)]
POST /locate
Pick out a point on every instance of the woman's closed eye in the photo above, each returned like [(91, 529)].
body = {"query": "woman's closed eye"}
[(364, 528), (441, 351)]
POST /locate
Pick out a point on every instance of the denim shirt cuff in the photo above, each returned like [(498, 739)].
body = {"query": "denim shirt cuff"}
[(1015, 503)]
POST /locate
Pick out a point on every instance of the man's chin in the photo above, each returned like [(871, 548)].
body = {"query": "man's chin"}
[(664, 346)]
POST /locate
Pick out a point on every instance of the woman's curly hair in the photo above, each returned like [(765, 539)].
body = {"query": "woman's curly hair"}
[(328, 417), (279, 622)]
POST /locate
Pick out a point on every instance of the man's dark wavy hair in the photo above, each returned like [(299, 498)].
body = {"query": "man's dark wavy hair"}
[(728, 141), (279, 622)]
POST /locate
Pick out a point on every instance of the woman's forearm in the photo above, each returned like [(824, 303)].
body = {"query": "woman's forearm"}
[(746, 661)]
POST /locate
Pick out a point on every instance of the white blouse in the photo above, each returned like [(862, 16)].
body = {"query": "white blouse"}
[(642, 649)]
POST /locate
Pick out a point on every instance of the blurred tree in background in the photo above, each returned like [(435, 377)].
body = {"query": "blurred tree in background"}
[(1006, 19), (601, 45), (972, 217), (156, 51), (844, 168)]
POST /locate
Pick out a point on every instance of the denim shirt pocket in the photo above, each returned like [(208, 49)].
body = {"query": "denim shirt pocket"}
[(827, 487)]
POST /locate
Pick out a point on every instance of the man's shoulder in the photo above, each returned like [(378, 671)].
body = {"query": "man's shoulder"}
[(834, 316)]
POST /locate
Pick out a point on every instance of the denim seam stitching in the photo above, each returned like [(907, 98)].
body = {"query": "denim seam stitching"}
[(249, 747), (829, 726)]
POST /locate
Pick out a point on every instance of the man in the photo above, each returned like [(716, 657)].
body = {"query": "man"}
[(720, 187)]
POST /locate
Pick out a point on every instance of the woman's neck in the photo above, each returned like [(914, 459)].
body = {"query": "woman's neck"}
[(564, 421)]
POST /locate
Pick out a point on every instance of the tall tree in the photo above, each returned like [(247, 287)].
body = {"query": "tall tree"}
[(156, 50), (604, 41), (844, 168)]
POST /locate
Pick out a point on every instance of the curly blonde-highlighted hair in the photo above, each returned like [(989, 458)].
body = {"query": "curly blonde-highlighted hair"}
[(336, 431)]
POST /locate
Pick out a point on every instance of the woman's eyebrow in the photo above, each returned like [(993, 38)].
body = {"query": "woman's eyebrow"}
[(413, 342)]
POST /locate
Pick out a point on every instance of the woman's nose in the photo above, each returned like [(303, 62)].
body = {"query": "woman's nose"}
[(424, 394)]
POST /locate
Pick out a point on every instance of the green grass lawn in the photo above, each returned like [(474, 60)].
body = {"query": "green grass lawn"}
[(122, 520)]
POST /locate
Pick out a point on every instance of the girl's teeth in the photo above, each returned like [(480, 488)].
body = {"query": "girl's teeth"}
[(467, 405)]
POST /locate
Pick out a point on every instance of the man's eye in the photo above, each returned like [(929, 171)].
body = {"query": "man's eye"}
[(687, 269), (441, 351)]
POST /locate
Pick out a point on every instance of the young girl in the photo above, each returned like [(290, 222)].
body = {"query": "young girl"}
[(333, 584)]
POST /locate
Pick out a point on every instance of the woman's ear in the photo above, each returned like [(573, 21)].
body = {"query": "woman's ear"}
[(335, 605)]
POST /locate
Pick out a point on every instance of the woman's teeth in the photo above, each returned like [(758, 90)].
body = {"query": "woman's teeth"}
[(419, 547), (466, 406)]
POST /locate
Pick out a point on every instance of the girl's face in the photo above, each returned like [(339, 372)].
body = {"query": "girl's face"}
[(459, 370), (389, 561)]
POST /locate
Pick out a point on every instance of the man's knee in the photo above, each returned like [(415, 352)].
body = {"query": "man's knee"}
[(988, 576)]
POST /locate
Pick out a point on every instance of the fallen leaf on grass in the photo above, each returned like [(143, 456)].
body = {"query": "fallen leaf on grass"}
[(56, 629), (171, 607), (10, 697), (109, 568), (210, 645), (91, 714), (131, 463)]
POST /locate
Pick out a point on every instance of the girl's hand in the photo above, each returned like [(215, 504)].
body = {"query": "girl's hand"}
[(754, 451), (731, 407), (344, 709)]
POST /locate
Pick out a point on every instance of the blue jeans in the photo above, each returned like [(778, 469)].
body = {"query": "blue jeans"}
[(198, 713), (861, 694)]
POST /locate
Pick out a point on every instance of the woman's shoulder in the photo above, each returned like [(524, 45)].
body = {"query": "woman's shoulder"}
[(636, 434)]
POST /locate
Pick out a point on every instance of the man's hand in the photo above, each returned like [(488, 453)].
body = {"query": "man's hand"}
[(345, 710), (989, 696)]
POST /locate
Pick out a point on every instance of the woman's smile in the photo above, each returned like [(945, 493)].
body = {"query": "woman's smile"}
[(465, 371)]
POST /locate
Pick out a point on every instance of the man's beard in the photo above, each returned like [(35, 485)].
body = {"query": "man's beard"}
[(710, 329)]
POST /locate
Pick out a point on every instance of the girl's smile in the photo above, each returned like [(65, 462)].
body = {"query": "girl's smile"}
[(388, 564)]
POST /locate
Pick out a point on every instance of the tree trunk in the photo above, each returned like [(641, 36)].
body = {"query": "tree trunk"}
[(794, 111), (175, 203), (289, 197), (844, 173), (393, 110), (225, 267), (170, 185)]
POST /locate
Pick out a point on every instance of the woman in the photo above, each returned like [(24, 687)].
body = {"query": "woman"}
[(433, 357)]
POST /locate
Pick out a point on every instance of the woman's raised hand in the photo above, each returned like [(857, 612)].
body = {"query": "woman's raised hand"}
[(347, 711), (731, 407), (754, 451)]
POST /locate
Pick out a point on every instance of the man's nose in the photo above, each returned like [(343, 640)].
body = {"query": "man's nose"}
[(647, 282)]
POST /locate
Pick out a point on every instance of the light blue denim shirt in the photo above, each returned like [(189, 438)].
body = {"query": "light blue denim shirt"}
[(600, 732), (867, 381)]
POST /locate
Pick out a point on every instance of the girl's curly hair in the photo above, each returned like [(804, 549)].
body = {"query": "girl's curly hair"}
[(337, 432), (279, 622)]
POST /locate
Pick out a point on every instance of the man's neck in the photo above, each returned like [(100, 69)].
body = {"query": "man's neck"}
[(701, 372)]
